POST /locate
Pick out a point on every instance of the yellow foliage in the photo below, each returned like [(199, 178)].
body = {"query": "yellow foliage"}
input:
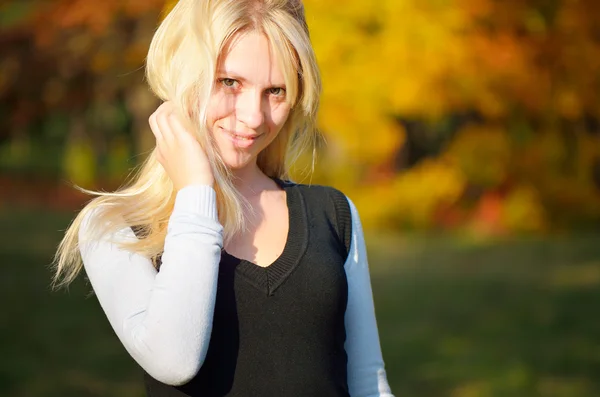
[(380, 60), (426, 188), (360, 133), (414, 197), (374, 205), (483, 155), (398, 59), (79, 163), (523, 211), (169, 4), (560, 166)]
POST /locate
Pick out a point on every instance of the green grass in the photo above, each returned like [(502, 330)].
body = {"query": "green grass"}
[(456, 318)]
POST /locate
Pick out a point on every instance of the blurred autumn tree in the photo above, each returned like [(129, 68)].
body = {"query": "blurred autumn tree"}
[(71, 88), (471, 112)]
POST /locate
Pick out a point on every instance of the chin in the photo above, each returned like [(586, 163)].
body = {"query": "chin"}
[(238, 161)]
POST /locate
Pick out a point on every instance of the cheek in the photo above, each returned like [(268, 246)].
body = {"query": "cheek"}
[(219, 107), (279, 115)]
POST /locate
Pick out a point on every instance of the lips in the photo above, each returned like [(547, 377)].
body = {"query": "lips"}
[(242, 140), (246, 137)]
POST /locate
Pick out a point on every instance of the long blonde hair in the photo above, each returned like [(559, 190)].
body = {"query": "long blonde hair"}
[(180, 67)]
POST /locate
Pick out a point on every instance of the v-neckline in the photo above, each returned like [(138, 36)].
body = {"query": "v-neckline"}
[(269, 278)]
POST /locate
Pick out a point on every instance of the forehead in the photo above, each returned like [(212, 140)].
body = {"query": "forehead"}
[(250, 56)]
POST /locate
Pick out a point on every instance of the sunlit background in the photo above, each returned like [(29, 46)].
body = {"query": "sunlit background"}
[(467, 132)]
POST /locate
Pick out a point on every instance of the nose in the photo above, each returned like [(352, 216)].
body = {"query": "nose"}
[(249, 109)]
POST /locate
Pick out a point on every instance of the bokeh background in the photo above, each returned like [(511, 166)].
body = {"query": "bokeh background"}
[(467, 132)]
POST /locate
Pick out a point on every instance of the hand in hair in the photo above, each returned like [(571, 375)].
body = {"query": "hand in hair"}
[(177, 150)]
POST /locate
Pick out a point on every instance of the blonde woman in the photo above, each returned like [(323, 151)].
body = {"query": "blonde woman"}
[(220, 276)]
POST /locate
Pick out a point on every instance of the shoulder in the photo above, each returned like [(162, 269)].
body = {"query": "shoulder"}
[(331, 203), (319, 192)]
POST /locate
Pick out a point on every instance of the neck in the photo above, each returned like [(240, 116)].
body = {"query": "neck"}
[(251, 181)]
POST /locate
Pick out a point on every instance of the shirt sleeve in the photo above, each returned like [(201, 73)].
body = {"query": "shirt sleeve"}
[(366, 371), (163, 319)]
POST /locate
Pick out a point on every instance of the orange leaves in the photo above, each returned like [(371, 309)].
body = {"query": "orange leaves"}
[(95, 37), (522, 67), (93, 17), (528, 72), (75, 13)]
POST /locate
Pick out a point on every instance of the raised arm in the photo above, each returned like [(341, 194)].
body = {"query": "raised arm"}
[(366, 372), (164, 319)]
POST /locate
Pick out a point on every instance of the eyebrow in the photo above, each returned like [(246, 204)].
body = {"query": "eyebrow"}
[(236, 76)]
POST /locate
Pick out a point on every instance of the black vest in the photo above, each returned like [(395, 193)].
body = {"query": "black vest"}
[(279, 331)]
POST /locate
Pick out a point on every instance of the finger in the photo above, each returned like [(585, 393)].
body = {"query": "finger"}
[(154, 127), (159, 156), (159, 140), (162, 120), (166, 105)]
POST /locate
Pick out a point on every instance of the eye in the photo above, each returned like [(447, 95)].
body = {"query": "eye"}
[(227, 82), (277, 91)]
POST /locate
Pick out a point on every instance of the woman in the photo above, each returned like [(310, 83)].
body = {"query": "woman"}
[(220, 277)]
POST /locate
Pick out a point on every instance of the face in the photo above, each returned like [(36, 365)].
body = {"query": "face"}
[(248, 106)]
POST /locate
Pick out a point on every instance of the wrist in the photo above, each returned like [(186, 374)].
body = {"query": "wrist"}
[(197, 182), (197, 199)]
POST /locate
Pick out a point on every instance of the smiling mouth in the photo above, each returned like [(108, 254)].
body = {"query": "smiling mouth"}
[(242, 137)]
